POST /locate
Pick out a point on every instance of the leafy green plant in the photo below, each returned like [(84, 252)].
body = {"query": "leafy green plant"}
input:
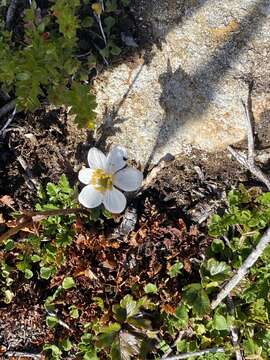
[(242, 225), (43, 254), (44, 61)]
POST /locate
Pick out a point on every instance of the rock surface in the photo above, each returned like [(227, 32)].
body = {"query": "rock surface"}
[(188, 91)]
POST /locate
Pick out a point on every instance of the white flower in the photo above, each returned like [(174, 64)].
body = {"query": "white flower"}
[(103, 178)]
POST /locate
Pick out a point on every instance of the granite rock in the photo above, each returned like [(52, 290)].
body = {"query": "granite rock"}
[(189, 91)]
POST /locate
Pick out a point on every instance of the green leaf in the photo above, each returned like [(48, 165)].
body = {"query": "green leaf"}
[(74, 312), (82, 103), (52, 321), (182, 315), (99, 302), (8, 296), (107, 335), (120, 313), (90, 355), (66, 344), (131, 306), (197, 299), (68, 283), (35, 258), (28, 274), (258, 310), (264, 199), (86, 338), (150, 289), (55, 351), (87, 22), (9, 245), (219, 322), (109, 23), (217, 246), (175, 269), (250, 347), (46, 272), (52, 190)]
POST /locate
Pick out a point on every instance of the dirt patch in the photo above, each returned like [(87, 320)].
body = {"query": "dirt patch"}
[(37, 149)]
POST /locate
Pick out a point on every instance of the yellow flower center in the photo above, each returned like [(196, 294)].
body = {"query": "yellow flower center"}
[(101, 180)]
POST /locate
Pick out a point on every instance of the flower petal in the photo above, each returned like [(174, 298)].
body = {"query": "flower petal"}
[(90, 197), (128, 179), (114, 201), (116, 159), (96, 159), (85, 175)]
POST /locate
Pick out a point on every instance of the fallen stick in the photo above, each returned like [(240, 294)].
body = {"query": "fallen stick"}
[(11, 13), (249, 161), (23, 355), (196, 353), (243, 270), (7, 108), (29, 217), (8, 122), (234, 331), (251, 166)]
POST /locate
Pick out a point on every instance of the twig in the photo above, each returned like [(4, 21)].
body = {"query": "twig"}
[(249, 161), (30, 180), (234, 331), (254, 169), (4, 95), (23, 355), (101, 29), (7, 108), (23, 222), (251, 147), (9, 120), (196, 353), (56, 212), (33, 216), (152, 175), (243, 270), (10, 13)]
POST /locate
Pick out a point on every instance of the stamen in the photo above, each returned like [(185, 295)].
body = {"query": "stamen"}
[(101, 180)]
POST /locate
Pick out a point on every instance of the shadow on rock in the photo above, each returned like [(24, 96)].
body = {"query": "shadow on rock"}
[(185, 97)]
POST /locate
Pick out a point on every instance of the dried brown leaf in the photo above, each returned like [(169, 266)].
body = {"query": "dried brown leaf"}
[(7, 201)]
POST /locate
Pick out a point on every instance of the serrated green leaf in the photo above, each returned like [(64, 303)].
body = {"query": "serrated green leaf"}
[(28, 274), (197, 299), (68, 283), (130, 305), (175, 269), (9, 244), (74, 312), (150, 288), (182, 315), (8, 296), (52, 321), (46, 272), (66, 344), (219, 322)]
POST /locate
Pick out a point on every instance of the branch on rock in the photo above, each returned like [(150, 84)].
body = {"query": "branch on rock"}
[(249, 161)]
